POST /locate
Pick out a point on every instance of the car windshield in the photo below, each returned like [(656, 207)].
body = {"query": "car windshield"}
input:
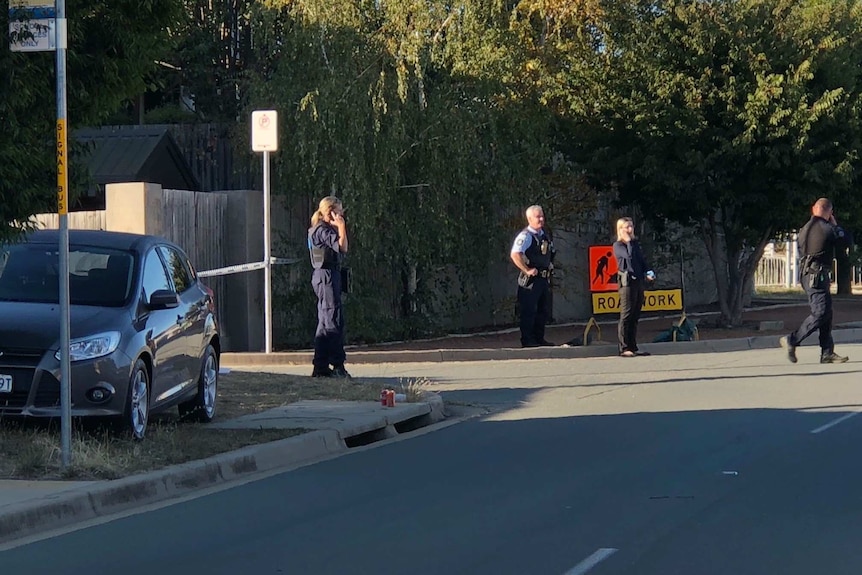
[(30, 272)]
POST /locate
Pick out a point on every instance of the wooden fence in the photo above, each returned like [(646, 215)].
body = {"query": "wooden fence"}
[(195, 221), (77, 220)]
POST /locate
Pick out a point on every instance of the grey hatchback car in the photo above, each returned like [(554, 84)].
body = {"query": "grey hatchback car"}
[(144, 334)]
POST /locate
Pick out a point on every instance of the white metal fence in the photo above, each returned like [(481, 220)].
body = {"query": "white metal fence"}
[(772, 271), (777, 269), (779, 265)]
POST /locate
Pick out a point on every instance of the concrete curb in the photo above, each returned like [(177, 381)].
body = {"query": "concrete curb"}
[(849, 335), (92, 501)]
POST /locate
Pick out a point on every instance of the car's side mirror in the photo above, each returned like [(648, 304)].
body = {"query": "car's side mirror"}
[(164, 299)]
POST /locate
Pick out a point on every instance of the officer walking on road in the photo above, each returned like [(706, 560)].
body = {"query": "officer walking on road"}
[(533, 254), (327, 241), (817, 242)]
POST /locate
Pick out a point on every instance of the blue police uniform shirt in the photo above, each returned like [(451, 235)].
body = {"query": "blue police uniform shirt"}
[(325, 235), (525, 239)]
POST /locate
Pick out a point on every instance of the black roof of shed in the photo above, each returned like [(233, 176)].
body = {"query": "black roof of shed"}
[(136, 154)]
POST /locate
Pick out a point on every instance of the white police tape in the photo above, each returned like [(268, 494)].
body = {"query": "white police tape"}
[(232, 269), (246, 267), (285, 260)]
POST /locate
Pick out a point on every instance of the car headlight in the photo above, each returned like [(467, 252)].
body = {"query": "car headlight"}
[(93, 346)]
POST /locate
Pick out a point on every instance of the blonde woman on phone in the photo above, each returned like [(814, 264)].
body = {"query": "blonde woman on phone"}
[(633, 273), (327, 241)]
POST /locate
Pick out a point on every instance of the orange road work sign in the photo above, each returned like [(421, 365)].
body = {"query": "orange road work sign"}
[(603, 269)]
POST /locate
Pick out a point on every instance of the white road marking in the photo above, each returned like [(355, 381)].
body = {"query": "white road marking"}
[(591, 561), (835, 422)]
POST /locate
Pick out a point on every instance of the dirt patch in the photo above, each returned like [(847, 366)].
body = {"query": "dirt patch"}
[(241, 393)]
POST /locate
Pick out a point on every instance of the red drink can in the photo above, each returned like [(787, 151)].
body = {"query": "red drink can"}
[(390, 398), (384, 397)]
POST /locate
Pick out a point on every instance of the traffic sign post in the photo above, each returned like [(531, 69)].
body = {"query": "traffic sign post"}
[(34, 26), (264, 138), (603, 269), (39, 26), (604, 286), (654, 300), (63, 210)]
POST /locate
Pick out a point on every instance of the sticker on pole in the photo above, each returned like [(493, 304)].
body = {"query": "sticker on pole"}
[(264, 131)]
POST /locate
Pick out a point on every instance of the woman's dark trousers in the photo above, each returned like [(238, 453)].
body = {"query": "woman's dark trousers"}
[(329, 335), (631, 302)]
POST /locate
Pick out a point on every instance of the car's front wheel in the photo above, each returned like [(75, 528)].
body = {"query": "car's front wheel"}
[(136, 414), (203, 407)]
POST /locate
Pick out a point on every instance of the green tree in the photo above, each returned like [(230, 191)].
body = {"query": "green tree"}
[(213, 51), (731, 116), (113, 49), (404, 109)]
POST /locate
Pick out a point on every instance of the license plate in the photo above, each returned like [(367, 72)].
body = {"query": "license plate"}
[(5, 383)]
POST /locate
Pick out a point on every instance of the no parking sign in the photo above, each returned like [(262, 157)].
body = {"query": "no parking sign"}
[(264, 131)]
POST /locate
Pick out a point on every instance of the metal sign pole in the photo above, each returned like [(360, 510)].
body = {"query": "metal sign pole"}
[(264, 138), (62, 210), (267, 260)]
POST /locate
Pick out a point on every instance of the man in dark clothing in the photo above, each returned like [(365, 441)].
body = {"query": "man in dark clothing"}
[(818, 240), (533, 254)]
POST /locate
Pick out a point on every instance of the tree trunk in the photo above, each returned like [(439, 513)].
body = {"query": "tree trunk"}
[(733, 267), (409, 282), (712, 235)]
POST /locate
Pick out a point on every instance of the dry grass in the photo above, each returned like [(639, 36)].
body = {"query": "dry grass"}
[(31, 449), (414, 389), (243, 392), (779, 291)]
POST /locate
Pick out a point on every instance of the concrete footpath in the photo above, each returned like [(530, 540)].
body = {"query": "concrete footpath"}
[(850, 332), (30, 507)]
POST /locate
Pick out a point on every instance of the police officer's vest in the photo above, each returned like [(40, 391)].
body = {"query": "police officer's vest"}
[(322, 257), (534, 253), (819, 232)]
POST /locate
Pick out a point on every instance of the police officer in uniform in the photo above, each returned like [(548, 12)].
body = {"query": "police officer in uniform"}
[(533, 254), (327, 241), (817, 242)]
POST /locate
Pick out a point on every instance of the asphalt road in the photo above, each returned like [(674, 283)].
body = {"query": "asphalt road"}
[(725, 463)]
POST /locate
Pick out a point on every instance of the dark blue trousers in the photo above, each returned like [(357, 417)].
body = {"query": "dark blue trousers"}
[(329, 336), (533, 308), (820, 317)]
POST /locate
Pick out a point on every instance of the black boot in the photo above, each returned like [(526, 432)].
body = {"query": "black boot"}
[(339, 371), (321, 372), (790, 346), (832, 357)]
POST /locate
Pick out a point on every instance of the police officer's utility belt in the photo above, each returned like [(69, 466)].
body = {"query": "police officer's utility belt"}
[(818, 274), (544, 273)]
